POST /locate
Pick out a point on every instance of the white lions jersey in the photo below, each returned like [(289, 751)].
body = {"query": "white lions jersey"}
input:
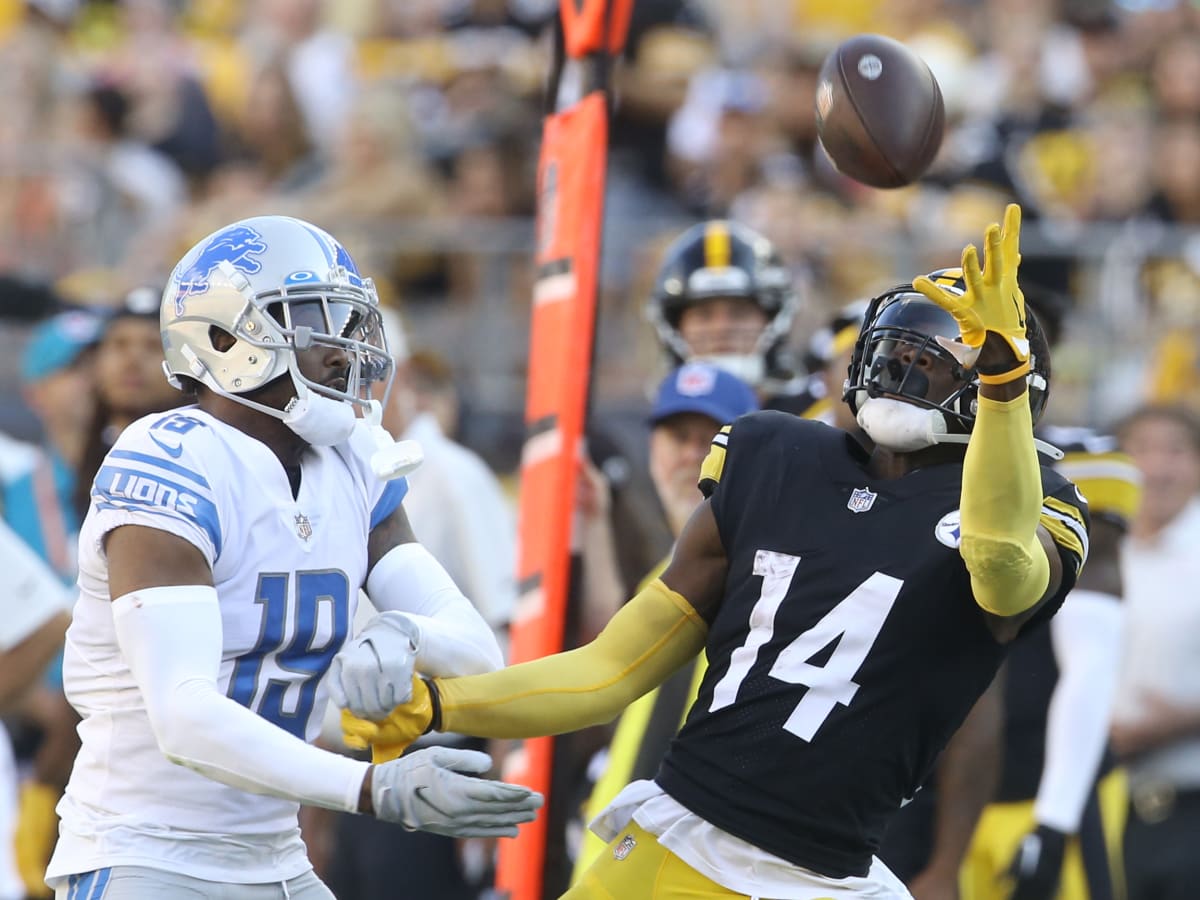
[(287, 573)]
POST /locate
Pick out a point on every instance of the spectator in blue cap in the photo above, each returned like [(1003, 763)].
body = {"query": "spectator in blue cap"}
[(692, 403), (56, 379)]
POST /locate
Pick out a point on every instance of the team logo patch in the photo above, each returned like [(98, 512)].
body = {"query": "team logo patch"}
[(624, 847), (861, 500), (695, 381), (237, 246), (948, 530)]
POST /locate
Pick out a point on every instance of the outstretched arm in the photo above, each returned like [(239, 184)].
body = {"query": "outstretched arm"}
[(659, 630), (1010, 566)]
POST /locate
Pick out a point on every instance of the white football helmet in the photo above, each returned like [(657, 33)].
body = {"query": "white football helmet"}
[(276, 285)]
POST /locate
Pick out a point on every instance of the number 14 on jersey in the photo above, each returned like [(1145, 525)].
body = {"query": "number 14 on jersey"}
[(854, 624)]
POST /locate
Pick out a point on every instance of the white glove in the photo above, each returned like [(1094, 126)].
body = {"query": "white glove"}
[(372, 674), (425, 790)]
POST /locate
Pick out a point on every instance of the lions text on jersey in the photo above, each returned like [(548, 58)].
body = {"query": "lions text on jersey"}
[(287, 572), (848, 647)]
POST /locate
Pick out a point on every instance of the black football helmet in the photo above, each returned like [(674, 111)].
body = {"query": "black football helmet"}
[(904, 316), (720, 258)]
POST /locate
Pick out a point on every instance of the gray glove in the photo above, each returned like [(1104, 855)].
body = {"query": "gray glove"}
[(372, 674), (428, 791)]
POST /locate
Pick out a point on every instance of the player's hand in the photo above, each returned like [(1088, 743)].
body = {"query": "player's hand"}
[(434, 790), (1036, 868), (373, 673), (391, 737), (992, 305)]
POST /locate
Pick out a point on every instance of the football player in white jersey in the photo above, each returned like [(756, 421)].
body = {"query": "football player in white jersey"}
[(220, 563)]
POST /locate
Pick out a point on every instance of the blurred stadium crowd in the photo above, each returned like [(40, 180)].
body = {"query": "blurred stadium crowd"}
[(410, 129)]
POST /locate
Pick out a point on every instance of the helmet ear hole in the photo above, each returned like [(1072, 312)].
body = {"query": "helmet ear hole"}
[(222, 341)]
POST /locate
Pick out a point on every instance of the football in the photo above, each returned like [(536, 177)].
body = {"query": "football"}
[(880, 114)]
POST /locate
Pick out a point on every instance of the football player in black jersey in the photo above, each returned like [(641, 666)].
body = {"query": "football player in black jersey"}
[(852, 606)]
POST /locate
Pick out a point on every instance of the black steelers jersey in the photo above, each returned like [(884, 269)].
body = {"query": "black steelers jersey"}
[(1111, 483), (848, 646)]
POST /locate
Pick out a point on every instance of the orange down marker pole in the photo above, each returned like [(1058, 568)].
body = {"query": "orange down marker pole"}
[(571, 175)]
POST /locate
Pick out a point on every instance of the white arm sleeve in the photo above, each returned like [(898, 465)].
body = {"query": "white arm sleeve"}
[(171, 639), (33, 594), (455, 639), (1086, 634)]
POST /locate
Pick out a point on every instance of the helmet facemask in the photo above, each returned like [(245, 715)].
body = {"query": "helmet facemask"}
[(338, 319), (888, 387), (895, 356)]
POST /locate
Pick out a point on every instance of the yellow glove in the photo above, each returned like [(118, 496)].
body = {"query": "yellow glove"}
[(37, 832), (993, 304), (391, 737)]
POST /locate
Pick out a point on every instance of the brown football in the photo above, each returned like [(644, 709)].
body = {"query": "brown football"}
[(879, 109)]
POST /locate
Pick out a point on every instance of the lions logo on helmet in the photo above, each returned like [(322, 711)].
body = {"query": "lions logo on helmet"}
[(237, 245), (275, 285)]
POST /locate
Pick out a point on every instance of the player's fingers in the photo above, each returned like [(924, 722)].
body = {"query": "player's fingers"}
[(1012, 235), (384, 753), (993, 265), (951, 303), (474, 762), (493, 818), (938, 295), (971, 272), (396, 693), (372, 702), (502, 795), (360, 729), (359, 698)]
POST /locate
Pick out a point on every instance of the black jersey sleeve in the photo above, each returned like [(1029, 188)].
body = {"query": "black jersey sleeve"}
[(1065, 515), (713, 467)]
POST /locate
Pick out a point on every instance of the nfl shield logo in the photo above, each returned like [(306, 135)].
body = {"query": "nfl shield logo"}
[(303, 526), (861, 499), (624, 848)]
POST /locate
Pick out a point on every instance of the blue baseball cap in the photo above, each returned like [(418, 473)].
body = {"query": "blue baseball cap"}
[(705, 389), (57, 342)]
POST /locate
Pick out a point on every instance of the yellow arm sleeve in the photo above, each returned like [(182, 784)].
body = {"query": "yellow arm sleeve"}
[(1001, 505), (649, 638)]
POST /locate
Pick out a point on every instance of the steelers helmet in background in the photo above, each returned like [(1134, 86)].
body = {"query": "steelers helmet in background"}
[(725, 259)]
